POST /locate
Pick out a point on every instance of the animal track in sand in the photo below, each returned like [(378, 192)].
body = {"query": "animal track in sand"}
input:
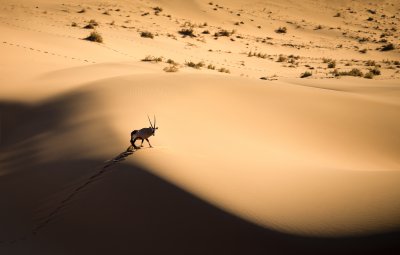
[(47, 52)]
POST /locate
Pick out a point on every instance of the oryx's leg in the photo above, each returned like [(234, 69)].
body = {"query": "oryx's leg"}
[(148, 142), (141, 145), (133, 143)]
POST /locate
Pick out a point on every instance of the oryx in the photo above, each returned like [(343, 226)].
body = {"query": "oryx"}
[(143, 134)]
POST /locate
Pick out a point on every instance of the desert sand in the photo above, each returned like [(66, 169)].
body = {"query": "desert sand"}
[(279, 127)]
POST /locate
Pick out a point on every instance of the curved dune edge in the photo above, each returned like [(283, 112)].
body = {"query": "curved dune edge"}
[(297, 159)]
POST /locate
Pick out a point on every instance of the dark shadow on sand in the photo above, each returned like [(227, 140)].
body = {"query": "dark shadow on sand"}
[(129, 210)]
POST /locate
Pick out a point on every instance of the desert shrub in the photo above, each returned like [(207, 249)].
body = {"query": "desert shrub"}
[(369, 75), (326, 60), (281, 58), (172, 62), (211, 67), (292, 61), (74, 24), (281, 30), (258, 55), (318, 27), (294, 57), (337, 15), (93, 22), (375, 71), (332, 64), (149, 58), (306, 74), (388, 47), (224, 70), (224, 32), (363, 51), (195, 65), (106, 13), (82, 11), (261, 55), (187, 32), (158, 9), (171, 69), (89, 26), (370, 63), (146, 34), (353, 72), (95, 37), (206, 32)]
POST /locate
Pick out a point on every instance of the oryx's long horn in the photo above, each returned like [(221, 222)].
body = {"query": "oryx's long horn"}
[(150, 121)]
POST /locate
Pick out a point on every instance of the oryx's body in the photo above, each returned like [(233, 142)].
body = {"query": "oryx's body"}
[(143, 134)]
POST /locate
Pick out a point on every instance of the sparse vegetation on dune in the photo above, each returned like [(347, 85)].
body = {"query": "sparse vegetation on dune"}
[(195, 65), (375, 71), (353, 72), (281, 30), (388, 47), (158, 9), (91, 24), (305, 74), (172, 62), (332, 64), (377, 37), (370, 63), (224, 70), (171, 69), (146, 34), (187, 32), (150, 58), (369, 75), (95, 37), (281, 58), (372, 72), (211, 67), (224, 32), (257, 54)]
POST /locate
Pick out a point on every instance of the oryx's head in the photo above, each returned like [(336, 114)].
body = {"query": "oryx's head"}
[(153, 126)]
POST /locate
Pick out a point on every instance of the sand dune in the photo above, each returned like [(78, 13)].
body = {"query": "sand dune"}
[(240, 165)]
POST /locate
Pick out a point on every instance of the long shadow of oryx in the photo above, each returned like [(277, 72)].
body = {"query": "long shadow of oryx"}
[(109, 163), (56, 211)]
